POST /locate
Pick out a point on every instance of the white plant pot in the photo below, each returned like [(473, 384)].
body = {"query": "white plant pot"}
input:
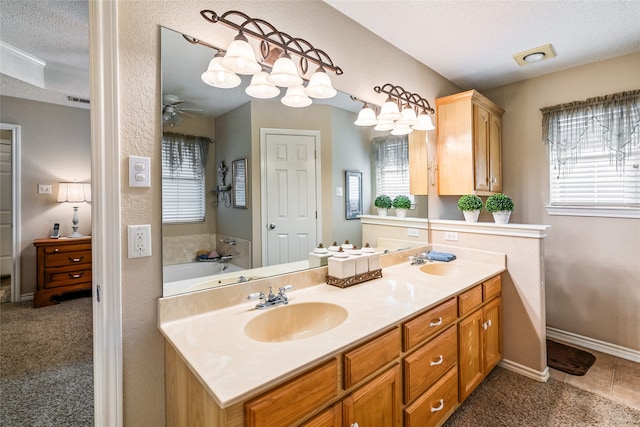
[(401, 213), (382, 211), (501, 217), (471, 216)]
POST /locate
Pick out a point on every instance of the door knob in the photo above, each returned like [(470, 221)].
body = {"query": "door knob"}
[(272, 226)]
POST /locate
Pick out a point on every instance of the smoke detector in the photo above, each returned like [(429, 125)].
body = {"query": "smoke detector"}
[(537, 54)]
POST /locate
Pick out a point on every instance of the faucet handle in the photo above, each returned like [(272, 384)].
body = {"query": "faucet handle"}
[(285, 288), (255, 295)]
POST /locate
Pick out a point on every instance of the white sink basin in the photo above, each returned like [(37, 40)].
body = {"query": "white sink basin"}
[(295, 321), (441, 269)]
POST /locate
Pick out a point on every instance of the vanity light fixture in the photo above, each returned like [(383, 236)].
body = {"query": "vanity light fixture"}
[(240, 58), (414, 115), (218, 76)]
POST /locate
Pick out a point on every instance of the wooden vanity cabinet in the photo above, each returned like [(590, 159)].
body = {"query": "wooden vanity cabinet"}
[(480, 339), (469, 144)]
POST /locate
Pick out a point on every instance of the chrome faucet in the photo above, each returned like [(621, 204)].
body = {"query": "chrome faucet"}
[(419, 259), (271, 300)]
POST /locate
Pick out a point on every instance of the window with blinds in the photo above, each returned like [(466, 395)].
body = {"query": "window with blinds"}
[(391, 166), (183, 189)]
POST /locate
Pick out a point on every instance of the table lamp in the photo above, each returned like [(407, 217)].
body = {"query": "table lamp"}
[(75, 193)]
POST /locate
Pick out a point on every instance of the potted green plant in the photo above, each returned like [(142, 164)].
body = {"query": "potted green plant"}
[(500, 206), (401, 204), (470, 205), (382, 202)]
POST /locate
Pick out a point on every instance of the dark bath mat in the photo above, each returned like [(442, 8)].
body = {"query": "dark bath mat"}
[(568, 359)]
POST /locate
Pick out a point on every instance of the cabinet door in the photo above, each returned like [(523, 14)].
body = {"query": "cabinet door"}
[(418, 163), (492, 342), (330, 417), (377, 403), (470, 353), (481, 147), (495, 153)]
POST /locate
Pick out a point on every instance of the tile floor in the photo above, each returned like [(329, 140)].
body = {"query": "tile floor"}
[(612, 377)]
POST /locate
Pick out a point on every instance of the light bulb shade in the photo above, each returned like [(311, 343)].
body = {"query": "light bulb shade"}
[(240, 57), (218, 76), (284, 72), (320, 86), (408, 117), (74, 192), (366, 117), (389, 111), (423, 123), (261, 88), (401, 129), (295, 97), (384, 125)]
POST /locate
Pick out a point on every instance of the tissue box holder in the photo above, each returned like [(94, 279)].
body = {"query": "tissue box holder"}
[(354, 280)]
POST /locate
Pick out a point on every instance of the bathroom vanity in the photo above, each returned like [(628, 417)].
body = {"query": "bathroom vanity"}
[(404, 349)]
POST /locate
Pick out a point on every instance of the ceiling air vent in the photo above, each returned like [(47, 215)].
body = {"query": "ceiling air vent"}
[(75, 99)]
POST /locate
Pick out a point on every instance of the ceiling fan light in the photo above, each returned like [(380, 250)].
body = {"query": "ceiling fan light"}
[(218, 76), (320, 85), (384, 126), (261, 88), (401, 129), (423, 122), (389, 111), (240, 57), (366, 117), (295, 97), (284, 72)]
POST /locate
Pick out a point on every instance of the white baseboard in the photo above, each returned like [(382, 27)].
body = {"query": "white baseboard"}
[(26, 297), (593, 344), (526, 371)]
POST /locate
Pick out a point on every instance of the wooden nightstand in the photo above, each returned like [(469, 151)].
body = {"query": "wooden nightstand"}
[(64, 265)]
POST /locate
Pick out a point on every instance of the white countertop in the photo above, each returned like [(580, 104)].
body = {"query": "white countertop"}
[(233, 367)]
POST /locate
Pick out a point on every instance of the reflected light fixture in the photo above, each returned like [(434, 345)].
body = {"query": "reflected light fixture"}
[(74, 193), (240, 58), (366, 117)]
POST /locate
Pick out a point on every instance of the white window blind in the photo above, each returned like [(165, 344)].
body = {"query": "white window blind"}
[(183, 187), (391, 165)]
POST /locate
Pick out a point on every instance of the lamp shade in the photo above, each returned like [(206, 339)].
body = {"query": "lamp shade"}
[(423, 122), (284, 72), (401, 129), (74, 192), (218, 76), (389, 111), (384, 125), (366, 117), (320, 85), (295, 97), (240, 57), (261, 88), (408, 116)]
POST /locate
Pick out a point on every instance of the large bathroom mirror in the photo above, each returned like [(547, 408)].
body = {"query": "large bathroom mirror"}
[(232, 245)]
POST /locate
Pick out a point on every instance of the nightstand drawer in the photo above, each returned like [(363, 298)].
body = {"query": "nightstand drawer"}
[(66, 247), (67, 258), (65, 276)]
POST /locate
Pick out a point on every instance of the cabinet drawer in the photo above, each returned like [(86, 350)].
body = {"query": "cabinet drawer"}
[(75, 247), (437, 319), (492, 288), (439, 401), (428, 363), (469, 300), (368, 358), (330, 417), (67, 258), (295, 399), (56, 277)]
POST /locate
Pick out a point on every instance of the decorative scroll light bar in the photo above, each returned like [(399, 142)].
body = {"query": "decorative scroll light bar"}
[(402, 112), (275, 47)]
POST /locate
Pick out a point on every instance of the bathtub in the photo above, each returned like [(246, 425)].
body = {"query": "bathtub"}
[(191, 276)]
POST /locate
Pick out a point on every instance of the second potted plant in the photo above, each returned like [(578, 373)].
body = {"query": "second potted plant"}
[(382, 202), (401, 204), (470, 205), (500, 206)]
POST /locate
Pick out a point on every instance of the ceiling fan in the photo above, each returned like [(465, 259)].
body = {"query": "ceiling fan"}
[(172, 110)]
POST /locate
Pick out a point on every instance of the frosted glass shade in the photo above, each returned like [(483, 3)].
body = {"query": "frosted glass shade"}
[(240, 57), (74, 192), (401, 129), (284, 72), (408, 117), (384, 125), (389, 111), (320, 85), (261, 88), (366, 117), (295, 97), (423, 123), (218, 76)]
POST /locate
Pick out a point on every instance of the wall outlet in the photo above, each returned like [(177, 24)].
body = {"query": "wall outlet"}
[(44, 188), (451, 235), (413, 232), (139, 240)]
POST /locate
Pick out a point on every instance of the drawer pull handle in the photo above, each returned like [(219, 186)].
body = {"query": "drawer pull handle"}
[(439, 408), (437, 362), (76, 275), (76, 259), (435, 322), (56, 250)]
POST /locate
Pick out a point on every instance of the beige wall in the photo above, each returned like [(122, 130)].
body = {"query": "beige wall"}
[(55, 146), (350, 47), (592, 267)]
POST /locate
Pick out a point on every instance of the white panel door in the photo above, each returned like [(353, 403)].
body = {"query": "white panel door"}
[(290, 196)]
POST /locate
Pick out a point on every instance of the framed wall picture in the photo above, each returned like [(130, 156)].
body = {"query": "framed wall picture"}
[(353, 194), (239, 174)]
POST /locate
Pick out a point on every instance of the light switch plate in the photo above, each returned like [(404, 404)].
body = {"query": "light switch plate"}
[(44, 188), (338, 191), (139, 171), (451, 235), (413, 232)]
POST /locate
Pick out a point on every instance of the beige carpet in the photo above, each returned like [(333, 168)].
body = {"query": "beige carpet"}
[(46, 364), (505, 398)]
